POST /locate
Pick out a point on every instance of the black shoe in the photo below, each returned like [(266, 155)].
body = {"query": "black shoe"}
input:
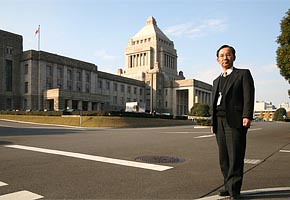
[(224, 193)]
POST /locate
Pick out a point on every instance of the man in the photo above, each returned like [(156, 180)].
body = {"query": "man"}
[(233, 105)]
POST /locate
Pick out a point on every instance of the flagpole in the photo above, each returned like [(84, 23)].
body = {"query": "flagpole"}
[(39, 76), (38, 37)]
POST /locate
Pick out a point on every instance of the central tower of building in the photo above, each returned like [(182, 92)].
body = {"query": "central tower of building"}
[(150, 50), (150, 56)]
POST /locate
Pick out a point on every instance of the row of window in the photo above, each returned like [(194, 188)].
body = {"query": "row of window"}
[(165, 42), (78, 81), (141, 41)]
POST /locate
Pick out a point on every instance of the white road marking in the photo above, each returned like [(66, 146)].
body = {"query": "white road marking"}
[(212, 135), (94, 158), (252, 161), (176, 132), (3, 184), (284, 151), (23, 195), (251, 192), (254, 129), (204, 136)]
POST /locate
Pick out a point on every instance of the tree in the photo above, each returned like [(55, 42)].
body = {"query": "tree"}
[(267, 116), (261, 115), (201, 110), (280, 114), (283, 51)]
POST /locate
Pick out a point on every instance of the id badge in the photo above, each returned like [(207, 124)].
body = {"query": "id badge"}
[(219, 99)]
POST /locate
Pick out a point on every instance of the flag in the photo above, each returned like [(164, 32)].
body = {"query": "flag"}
[(37, 30)]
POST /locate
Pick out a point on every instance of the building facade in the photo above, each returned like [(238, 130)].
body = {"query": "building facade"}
[(38, 80), (151, 57), (10, 55)]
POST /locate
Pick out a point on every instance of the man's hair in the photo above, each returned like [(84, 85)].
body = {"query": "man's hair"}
[(226, 46)]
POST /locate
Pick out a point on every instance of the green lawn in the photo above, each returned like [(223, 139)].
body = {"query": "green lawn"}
[(99, 121)]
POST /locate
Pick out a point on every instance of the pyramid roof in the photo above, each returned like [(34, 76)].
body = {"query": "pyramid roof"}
[(151, 28)]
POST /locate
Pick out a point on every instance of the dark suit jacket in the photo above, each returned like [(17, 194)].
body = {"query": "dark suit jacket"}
[(239, 98)]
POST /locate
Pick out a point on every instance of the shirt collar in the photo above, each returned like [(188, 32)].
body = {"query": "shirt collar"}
[(229, 71)]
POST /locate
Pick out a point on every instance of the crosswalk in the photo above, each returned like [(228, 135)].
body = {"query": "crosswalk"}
[(19, 195)]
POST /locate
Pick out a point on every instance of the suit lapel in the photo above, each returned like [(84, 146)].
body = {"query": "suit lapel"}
[(215, 88), (231, 80)]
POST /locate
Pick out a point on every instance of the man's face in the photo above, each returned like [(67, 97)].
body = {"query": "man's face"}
[(226, 58)]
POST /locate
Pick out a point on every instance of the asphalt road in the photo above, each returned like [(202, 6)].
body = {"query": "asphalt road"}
[(92, 163)]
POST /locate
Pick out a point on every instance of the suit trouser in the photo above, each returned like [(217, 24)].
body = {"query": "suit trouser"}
[(232, 147)]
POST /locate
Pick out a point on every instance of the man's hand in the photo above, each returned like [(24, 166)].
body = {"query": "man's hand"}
[(246, 122)]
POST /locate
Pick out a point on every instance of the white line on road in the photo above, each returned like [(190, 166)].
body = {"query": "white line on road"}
[(251, 192), (252, 161), (284, 151), (254, 129), (204, 136), (23, 195), (94, 158), (3, 184), (212, 135)]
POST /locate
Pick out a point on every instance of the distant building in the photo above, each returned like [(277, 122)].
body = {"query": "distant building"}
[(286, 106), (152, 58), (264, 110), (38, 80)]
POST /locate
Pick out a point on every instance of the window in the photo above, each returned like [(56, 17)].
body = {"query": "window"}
[(129, 89), (141, 91), (25, 104), (69, 74), (108, 85), (8, 103), (69, 79), (115, 87), (26, 69), (48, 83), (69, 85), (114, 99), (8, 50), (135, 90), (26, 87), (48, 71), (79, 88), (122, 100), (48, 77), (87, 87), (87, 77), (59, 83), (79, 76), (59, 73), (100, 84), (8, 75), (122, 88)]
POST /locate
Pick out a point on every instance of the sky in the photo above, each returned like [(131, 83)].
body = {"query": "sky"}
[(98, 31)]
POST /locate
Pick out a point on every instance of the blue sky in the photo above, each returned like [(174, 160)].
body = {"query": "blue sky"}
[(98, 31)]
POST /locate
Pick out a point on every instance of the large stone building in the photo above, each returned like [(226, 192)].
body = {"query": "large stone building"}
[(38, 80), (151, 57)]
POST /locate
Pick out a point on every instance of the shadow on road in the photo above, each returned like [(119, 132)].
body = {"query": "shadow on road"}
[(5, 143), (281, 194)]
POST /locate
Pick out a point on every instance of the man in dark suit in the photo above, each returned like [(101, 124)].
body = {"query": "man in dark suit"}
[(233, 105)]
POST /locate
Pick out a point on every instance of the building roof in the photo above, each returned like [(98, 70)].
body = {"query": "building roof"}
[(151, 28)]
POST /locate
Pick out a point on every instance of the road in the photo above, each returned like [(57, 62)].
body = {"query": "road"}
[(54, 162)]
